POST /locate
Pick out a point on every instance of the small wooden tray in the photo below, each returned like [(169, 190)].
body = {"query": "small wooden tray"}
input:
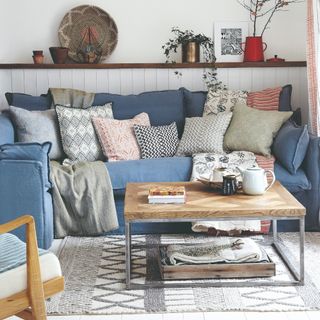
[(215, 270)]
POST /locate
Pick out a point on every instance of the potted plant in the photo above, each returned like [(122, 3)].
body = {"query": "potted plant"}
[(191, 44), (254, 46)]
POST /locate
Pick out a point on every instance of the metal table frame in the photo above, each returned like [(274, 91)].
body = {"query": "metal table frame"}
[(297, 273)]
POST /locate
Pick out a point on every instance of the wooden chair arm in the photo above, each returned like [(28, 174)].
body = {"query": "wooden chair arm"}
[(34, 282), (14, 224)]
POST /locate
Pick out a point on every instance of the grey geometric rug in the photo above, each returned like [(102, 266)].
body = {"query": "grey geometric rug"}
[(94, 272)]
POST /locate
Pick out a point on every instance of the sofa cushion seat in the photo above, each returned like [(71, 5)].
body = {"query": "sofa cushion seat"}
[(149, 170), (292, 182)]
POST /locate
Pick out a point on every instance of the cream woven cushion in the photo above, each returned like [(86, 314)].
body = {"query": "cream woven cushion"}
[(15, 280)]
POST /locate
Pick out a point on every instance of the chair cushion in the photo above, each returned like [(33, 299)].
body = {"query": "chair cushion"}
[(149, 170), (12, 252), (163, 107), (13, 268), (293, 182)]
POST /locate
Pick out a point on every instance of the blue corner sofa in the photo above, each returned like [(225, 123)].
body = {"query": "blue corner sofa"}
[(25, 189)]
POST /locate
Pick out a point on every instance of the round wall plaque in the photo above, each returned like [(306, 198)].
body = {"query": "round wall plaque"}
[(88, 28)]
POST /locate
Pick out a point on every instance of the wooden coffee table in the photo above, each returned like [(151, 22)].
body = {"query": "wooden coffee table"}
[(202, 205)]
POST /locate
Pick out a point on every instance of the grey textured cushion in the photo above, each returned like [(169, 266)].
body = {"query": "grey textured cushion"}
[(157, 142), (38, 126), (253, 130), (204, 134), (79, 139)]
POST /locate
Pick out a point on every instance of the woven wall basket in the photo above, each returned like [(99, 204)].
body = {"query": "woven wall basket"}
[(75, 24)]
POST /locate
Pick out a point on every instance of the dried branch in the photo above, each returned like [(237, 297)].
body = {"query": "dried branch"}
[(257, 9)]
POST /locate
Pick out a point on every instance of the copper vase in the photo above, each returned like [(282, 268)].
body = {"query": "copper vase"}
[(191, 52)]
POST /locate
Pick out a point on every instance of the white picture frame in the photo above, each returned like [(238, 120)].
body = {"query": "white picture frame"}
[(228, 37)]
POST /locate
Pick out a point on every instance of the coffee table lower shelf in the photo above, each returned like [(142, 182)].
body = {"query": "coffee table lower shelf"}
[(297, 272), (261, 269)]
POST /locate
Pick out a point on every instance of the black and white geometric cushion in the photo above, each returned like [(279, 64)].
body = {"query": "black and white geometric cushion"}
[(157, 142), (79, 139)]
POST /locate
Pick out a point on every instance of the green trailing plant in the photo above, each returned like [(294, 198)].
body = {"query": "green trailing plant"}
[(264, 8), (207, 49)]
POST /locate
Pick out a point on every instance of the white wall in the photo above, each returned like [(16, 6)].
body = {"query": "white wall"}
[(144, 25)]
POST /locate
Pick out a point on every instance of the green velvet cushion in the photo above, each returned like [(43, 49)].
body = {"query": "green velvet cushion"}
[(253, 130)]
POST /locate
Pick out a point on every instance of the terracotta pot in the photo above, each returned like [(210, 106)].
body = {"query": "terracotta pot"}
[(59, 54), (191, 52), (254, 48), (37, 56)]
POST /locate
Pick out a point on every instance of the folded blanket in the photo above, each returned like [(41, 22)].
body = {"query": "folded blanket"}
[(228, 250), (82, 199), (71, 97)]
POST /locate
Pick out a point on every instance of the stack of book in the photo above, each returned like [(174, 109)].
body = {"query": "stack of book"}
[(167, 194)]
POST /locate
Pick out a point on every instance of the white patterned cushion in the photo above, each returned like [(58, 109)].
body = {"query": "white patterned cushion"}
[(204, 134), (157, 142), (223, 101), (79, 139)]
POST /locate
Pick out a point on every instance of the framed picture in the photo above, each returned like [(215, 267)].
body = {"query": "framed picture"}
[(228, 37)]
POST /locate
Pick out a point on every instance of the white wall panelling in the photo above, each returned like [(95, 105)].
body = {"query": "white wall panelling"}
[(127, 81)]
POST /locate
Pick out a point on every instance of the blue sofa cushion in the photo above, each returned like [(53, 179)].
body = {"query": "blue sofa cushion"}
[(290, 146), (29, 151), (285, 98), (163, 107), (29, 102), (149, 170), (194, 102), (6, 129), (293, 182)]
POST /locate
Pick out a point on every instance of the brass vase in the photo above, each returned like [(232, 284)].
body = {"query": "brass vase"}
[(191, 52)]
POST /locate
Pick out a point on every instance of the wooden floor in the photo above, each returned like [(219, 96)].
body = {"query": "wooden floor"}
[(311, 315)]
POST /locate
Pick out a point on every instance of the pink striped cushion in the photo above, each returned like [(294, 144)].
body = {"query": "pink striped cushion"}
[(267, 99)]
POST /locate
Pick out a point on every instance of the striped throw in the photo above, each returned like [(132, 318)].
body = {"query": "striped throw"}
[(267, 99), (12, 252)]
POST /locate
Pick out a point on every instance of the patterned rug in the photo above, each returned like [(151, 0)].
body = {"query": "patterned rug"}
[(94, 272)]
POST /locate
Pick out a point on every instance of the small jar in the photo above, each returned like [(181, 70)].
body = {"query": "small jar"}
[(38, 56)]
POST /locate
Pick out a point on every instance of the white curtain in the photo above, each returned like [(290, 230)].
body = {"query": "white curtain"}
[(313, 62)]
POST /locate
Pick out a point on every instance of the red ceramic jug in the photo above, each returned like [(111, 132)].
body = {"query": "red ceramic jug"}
[(254, 48)]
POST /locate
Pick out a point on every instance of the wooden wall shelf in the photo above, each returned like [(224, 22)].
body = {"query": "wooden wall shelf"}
[(154, 65)]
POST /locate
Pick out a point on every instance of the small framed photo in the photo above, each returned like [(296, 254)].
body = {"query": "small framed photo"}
[(228, 37)]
